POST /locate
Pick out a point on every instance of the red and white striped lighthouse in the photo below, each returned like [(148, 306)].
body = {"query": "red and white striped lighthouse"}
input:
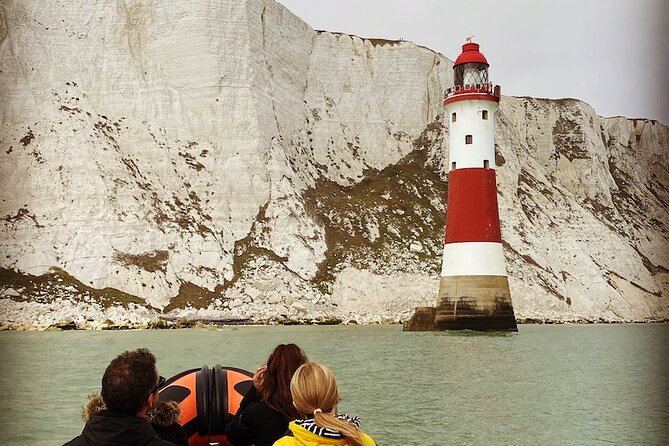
[(474, 288)]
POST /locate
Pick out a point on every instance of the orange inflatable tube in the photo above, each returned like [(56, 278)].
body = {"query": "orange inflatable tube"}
[(208, 398)]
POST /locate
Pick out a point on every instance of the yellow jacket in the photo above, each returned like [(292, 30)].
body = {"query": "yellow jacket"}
[(302, 437)]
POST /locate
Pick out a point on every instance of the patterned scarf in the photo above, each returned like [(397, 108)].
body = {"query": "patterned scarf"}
[(325, 432)]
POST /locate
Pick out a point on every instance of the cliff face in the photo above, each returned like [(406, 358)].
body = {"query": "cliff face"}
[(584, 210), (227, 160)]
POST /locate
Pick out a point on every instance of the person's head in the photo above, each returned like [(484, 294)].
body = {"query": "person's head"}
[(315, 393), (275, 388), (130, 382)]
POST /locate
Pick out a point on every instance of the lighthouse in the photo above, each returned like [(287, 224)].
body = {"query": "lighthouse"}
[(473, 287)]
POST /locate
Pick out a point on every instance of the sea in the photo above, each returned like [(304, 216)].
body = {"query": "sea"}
[(544, 385)]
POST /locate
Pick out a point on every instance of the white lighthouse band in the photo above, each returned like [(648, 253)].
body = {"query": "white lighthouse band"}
[(473, 259), (471, 134)]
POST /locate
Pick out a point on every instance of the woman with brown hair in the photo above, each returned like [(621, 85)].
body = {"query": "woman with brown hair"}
[(315, 396), (267, 407)]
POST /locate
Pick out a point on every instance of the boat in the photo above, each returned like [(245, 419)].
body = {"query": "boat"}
[(208, 398)]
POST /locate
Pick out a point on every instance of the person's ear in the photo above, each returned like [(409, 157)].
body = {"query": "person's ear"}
[(152, 400)]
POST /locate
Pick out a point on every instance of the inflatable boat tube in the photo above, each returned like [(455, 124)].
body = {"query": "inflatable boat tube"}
[(208, 398)]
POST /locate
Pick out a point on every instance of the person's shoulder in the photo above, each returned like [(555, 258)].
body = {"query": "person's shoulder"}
[(367, 440), (76, 441), (260, 408), (285, 441), (157, 441)]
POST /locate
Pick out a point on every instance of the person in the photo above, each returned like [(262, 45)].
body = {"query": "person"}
[(163, 416), (129, 389), (315, 396), (267, 407)]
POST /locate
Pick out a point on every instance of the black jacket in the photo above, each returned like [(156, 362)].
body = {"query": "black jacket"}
[(173, 433), (255, 423), (107, 428)]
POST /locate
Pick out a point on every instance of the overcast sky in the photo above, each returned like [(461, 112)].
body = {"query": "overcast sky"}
[(612, 54)]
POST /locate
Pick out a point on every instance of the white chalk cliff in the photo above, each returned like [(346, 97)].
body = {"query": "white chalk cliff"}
[(223, 159)]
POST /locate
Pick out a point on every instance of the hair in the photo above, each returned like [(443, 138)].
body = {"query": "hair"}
[(314, 390), (129, 380), (164, 413), (93, 406), (275, 388)]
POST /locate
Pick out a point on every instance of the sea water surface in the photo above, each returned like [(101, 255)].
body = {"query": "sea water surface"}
[(546, 384)]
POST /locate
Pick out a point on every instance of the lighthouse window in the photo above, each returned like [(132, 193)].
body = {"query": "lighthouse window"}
[(484, 114), (453, 165), (486, 164), (468, 139), (454, 117), (470, 73)]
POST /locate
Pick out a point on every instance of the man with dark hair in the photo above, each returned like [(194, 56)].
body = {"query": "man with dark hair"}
[(129, 389)]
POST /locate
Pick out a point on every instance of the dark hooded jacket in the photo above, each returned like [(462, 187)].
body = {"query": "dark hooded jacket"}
[(255, 422), (107, 428)]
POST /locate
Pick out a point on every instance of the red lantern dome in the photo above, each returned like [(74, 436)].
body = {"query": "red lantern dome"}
[(470, 54)]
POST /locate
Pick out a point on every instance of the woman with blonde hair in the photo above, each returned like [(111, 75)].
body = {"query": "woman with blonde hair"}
[(315, 396)]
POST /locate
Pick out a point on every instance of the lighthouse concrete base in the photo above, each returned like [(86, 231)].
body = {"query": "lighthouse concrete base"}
[(422, 320), (468, 303)]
